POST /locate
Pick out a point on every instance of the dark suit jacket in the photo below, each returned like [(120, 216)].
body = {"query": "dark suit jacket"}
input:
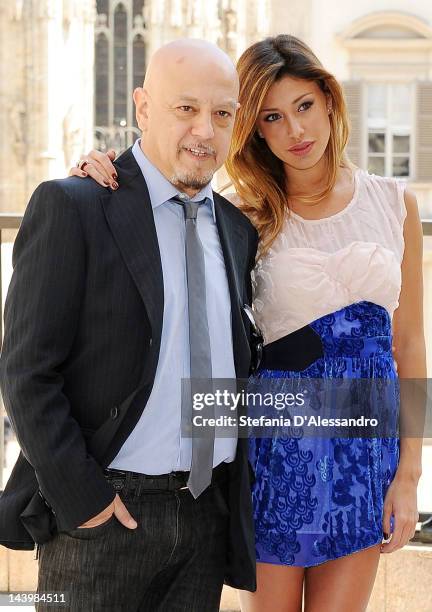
[(82, 316)]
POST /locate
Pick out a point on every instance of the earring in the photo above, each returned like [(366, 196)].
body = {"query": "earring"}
[(260, 134), (329, 109)]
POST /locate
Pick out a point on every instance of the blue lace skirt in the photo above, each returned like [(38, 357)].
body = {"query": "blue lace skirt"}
[(317, 499)]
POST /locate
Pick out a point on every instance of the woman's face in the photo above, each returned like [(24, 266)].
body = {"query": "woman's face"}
[(294, 121)]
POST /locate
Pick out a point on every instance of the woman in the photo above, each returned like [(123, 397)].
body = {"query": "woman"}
[(333, 263), (341, 252)]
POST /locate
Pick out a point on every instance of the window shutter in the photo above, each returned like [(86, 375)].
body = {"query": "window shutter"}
[(424, 131), (354, 100)]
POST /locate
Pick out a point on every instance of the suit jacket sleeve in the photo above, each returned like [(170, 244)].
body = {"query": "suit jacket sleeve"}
[(41, 316)]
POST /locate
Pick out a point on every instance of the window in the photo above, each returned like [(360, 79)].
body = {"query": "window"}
[(120, 61), (389, 93), (389, 122), (120, 66), (102, 80)]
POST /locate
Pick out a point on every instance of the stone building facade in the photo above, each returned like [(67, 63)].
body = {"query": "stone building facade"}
[(46, 92), (68, 69)]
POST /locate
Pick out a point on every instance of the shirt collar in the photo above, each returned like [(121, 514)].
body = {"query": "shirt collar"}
[(159, 187)]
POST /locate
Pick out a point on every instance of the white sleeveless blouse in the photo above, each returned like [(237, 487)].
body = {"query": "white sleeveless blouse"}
[(316, 267)]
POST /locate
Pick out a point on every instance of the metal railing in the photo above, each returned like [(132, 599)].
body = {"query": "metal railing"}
[(12, 221)]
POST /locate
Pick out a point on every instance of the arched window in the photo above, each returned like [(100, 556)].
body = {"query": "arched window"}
[(137, 8), (120, 62), (139, 59), (102, 80), (120, 66), (102, 7)]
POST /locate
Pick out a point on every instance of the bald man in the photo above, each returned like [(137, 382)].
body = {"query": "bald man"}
[(97, 341)]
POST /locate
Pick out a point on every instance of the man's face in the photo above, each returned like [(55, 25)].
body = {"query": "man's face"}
[(187, 122)]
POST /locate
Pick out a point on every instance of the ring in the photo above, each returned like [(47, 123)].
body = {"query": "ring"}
[(82, 163)]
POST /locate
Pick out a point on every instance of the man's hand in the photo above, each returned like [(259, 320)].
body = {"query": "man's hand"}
[(117, 508), (98, 165)]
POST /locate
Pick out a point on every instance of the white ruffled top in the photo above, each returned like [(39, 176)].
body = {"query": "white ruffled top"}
[(316, 267)]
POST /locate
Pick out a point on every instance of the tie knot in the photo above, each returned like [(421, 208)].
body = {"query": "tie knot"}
[(190, 208)]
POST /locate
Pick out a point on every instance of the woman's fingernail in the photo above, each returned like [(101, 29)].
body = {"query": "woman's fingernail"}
[(105, 183), (114, 175), (84, 173), (386, 536), (114, 185), (132, 524)]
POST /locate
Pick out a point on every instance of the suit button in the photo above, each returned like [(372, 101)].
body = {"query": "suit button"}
[(114, 412)]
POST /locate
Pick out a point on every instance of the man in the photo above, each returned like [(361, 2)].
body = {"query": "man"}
[(102, 322)]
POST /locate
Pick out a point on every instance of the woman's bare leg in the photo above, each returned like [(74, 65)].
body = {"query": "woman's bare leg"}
[(343, 584), (279, 589)]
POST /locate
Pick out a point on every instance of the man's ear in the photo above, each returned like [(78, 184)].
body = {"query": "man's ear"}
[(140, 97)]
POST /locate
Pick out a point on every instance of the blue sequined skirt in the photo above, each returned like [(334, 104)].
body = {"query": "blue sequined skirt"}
[(317, 499)]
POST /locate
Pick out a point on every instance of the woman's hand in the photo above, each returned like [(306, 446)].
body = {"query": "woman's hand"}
[(401, 502), (98, 165)]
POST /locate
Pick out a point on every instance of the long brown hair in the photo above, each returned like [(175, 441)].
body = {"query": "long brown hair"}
[(257, 174)]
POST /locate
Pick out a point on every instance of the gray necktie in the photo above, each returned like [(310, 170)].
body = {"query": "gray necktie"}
[(200, 353)]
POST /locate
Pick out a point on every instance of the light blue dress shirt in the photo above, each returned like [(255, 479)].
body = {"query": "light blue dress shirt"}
[(155, 445)]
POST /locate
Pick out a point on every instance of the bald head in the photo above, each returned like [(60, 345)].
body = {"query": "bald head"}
[(188, 58), (186, 110)]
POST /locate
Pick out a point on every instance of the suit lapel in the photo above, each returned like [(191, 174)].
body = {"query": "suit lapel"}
[(234, 246), (130, 217), (234, 243)]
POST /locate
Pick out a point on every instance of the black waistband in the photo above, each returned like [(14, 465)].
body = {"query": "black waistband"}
[(296, 351), (164, 482)]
